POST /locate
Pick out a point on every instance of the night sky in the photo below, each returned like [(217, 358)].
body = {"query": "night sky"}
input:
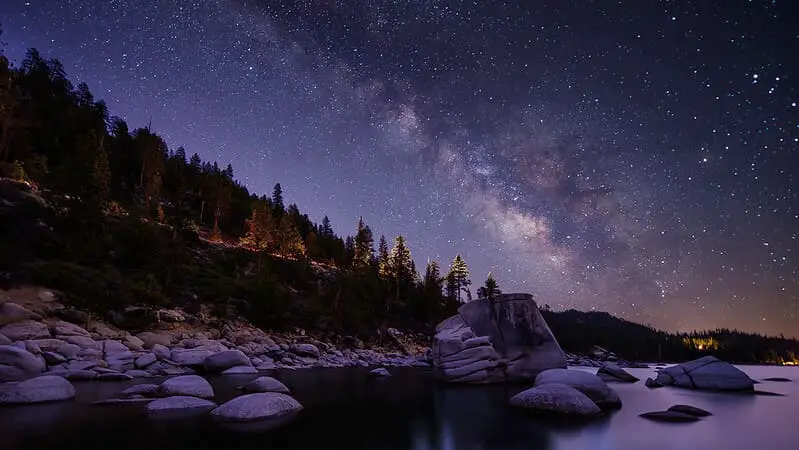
[(637, 157)]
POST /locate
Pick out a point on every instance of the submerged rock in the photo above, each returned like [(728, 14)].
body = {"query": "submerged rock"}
[(499, 340), (178, 405), (706, 373), (778, 379), (669, 416), (587, 383), (189, 385), (380, 372), (240, 370), (692, 410), (145, 389), (265, 384), (47, 388), (554, 398), (651, 384)]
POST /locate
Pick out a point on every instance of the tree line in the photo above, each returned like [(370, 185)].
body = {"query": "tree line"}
[(113, 182)]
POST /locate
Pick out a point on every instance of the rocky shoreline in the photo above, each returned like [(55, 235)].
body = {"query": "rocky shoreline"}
[(44, 341)]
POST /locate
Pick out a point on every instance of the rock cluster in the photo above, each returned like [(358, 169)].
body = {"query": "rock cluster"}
[(33, 344), (567, 392), (495, 340)]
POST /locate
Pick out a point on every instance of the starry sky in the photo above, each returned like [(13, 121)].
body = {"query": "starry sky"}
[(637, 157)]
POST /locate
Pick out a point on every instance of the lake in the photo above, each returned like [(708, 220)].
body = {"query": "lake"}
[(345, 409)]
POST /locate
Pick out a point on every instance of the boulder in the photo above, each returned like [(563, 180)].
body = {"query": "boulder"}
[(554, 398), (79, 375), (144, 360), (380, 372), (133, 343), (69, 350), (652, 384), (161, 352), (151, 339), (706, 373), (136, 373), (4, 340), (53, 359), (25, 329), (62, 329), (47, 388), (111, 347), (265, 384), (145, 389), (612, 372), (692, 410), (254, 407), (85, 343), (778, 379), (240, 370), (17, 364), (12, 312), (222, 361), (190, 385), (669, 416), (305, 350), (501, 340), (190, 357), (179, 404), (587, 383), (123, 401)]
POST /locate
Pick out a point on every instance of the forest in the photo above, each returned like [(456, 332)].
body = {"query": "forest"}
[(132, 222)]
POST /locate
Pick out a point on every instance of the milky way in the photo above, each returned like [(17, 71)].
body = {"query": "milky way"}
[(635, 157)]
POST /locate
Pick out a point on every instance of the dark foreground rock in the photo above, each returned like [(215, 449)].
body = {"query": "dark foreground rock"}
[(495, 341), (692, 410), (706, 373), (669, 416), (555, 399)]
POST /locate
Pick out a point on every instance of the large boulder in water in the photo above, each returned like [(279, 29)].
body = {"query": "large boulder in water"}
[(706, 373), (47, 388), (554, 398), (254, 407), (495, 341), (586, 382)]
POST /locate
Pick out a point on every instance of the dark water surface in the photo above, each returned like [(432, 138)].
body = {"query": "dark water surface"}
[(345, 409)]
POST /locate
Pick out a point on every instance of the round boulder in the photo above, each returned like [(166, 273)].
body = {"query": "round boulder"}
[(17, 364), (587, 383), (380, 372), (256, 407), (265, 384), (47, 388), (556, 399), (188, 385), (219, 362)]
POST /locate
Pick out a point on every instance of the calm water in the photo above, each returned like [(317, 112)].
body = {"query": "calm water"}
[(344, 409)]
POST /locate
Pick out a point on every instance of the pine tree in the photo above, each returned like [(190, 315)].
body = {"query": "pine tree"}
[(277, 201), (291, 243), (228, 172), (326, 229), (364, 245), (195, 162), (458, 279), (383, 260), (400, 261), (490, 289)]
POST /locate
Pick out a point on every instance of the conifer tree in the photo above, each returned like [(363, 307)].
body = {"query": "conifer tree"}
[(364, 245), (277, 201), (490, 289), (291, 243), (383, 259), (400, 261), (458, 279), (326, 229)]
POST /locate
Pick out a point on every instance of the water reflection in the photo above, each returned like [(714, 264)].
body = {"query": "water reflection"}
[(347, 409)]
